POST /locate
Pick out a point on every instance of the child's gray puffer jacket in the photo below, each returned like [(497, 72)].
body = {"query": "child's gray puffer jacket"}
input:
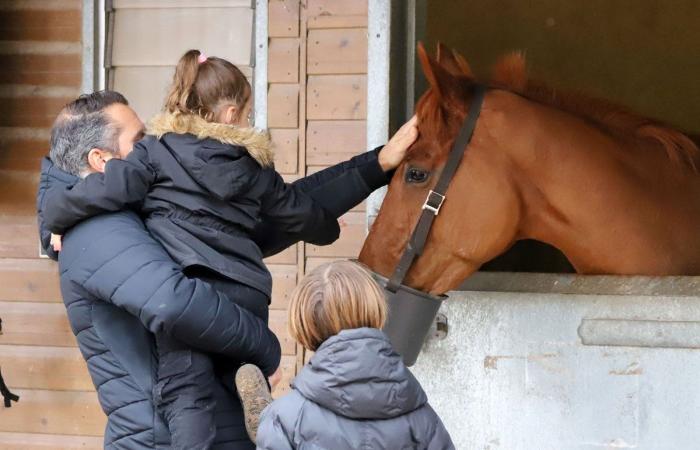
[(355, 393)]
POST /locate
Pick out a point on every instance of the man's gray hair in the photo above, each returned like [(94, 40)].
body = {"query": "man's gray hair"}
[(81, 126)]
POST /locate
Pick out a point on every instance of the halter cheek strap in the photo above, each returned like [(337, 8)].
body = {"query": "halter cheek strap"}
[(436, 197)]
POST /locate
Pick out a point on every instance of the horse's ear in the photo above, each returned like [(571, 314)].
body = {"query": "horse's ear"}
[(453, 62), (463, 64), (438, 78)]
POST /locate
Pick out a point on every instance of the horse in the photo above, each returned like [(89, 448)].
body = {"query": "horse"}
[(615, 192)]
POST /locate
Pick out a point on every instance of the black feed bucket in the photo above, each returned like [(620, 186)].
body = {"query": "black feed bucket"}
[(411, 317)]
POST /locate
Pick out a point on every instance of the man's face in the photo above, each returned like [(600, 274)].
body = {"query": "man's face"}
[(131, 129)]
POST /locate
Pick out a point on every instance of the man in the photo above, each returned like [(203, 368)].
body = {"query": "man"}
[(119, 284)]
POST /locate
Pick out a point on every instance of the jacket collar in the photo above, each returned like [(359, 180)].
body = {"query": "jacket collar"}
[(256, 142)]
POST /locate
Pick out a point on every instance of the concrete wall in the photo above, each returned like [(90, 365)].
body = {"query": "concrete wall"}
[(640, 54), (568, 369)]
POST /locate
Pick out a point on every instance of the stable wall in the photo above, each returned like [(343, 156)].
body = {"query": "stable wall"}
[(565, 362)]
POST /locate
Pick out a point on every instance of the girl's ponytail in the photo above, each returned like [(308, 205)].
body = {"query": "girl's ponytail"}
[(181, 97)]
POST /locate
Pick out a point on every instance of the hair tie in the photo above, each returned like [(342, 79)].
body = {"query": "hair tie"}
[(202, 58)]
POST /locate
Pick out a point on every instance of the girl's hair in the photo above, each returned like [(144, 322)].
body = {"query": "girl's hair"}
[(333, 297), (203, 84)]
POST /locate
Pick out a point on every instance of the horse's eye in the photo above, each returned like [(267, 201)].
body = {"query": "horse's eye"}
[(415, 175)]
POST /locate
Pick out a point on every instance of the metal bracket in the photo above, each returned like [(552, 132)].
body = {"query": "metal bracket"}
[(434, 208), (440, 327)]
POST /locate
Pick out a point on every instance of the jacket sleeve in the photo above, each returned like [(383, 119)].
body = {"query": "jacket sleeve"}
[(272, 433), (341, 187), (294, 212), (116, 260), (337, 189), (440, 438), (123, 185)]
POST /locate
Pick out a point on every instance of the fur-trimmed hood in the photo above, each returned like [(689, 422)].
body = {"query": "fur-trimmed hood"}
[(256, 142)]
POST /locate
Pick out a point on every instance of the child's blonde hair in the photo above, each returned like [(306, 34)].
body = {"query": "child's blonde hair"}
[(333, 297), (202, 85)]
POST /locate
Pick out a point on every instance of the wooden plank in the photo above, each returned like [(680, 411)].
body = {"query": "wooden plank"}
[(134, 27), (288, 365), (28, 441), (38, 5), (31, 63), (283, 60), (54, 412), (278, 324), (337, 97), (283, 110), (31, 111), (348, 245), (141, 4), (23, 155), (315, 261), (29, 280), (29, 323), (286, 146), (19, 237), (284, 279), (41, 25), (330, 142), (338, 51), (287, 256), (317, 8), (328, 22), (283, 18), (335, 14), (72, 78), (50, 368)]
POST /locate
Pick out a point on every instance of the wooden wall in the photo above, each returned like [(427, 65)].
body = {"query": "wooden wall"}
[(317, 75), (40, 46)]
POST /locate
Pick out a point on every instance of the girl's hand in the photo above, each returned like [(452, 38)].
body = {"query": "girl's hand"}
[(56, 241), (395, 150)]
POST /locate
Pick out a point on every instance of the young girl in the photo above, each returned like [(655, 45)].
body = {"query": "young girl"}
[(203, 179), (355, 392)]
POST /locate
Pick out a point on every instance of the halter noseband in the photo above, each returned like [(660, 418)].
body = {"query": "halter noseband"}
[(436, 197)]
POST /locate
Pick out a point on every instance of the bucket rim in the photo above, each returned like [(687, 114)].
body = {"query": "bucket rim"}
[(383, 282)]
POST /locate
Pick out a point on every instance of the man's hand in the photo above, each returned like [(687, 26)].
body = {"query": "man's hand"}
[(275, 378), (56, 242), (395, 150)]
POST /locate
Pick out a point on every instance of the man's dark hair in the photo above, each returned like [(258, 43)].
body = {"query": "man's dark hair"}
[(81, 126)]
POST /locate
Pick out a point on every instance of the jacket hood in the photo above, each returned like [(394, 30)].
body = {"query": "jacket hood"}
[(257, 143), (357, 374)]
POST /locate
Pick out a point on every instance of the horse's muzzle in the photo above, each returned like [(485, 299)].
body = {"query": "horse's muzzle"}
[(411, 317)]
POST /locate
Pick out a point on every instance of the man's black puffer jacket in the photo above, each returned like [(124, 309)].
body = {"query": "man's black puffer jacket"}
[(119, 286)]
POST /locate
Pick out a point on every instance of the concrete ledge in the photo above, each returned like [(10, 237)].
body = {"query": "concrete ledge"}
[(548, 283)]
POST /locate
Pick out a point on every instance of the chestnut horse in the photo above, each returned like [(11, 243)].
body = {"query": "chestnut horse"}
[(615, 192)]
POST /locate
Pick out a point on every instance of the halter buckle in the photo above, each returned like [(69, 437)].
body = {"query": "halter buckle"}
[(436, 205)]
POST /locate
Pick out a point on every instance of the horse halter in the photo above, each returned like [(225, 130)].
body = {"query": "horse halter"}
[(436, 197)]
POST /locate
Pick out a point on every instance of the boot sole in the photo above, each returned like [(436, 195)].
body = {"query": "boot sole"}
[(254, 394)]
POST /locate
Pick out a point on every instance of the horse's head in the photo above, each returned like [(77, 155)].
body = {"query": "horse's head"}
[(480, 214)]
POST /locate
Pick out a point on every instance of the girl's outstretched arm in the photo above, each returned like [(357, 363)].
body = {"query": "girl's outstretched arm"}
[(123, 185)]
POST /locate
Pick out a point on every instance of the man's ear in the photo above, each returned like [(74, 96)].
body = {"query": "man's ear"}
[(97, 159)]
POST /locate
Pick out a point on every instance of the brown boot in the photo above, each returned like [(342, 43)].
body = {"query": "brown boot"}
[(254, 393)]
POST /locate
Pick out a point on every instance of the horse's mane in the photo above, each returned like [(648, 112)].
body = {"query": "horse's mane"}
[(510, 73)]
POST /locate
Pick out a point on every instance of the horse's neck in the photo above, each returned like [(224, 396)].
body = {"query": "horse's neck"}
[(609, 210)]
